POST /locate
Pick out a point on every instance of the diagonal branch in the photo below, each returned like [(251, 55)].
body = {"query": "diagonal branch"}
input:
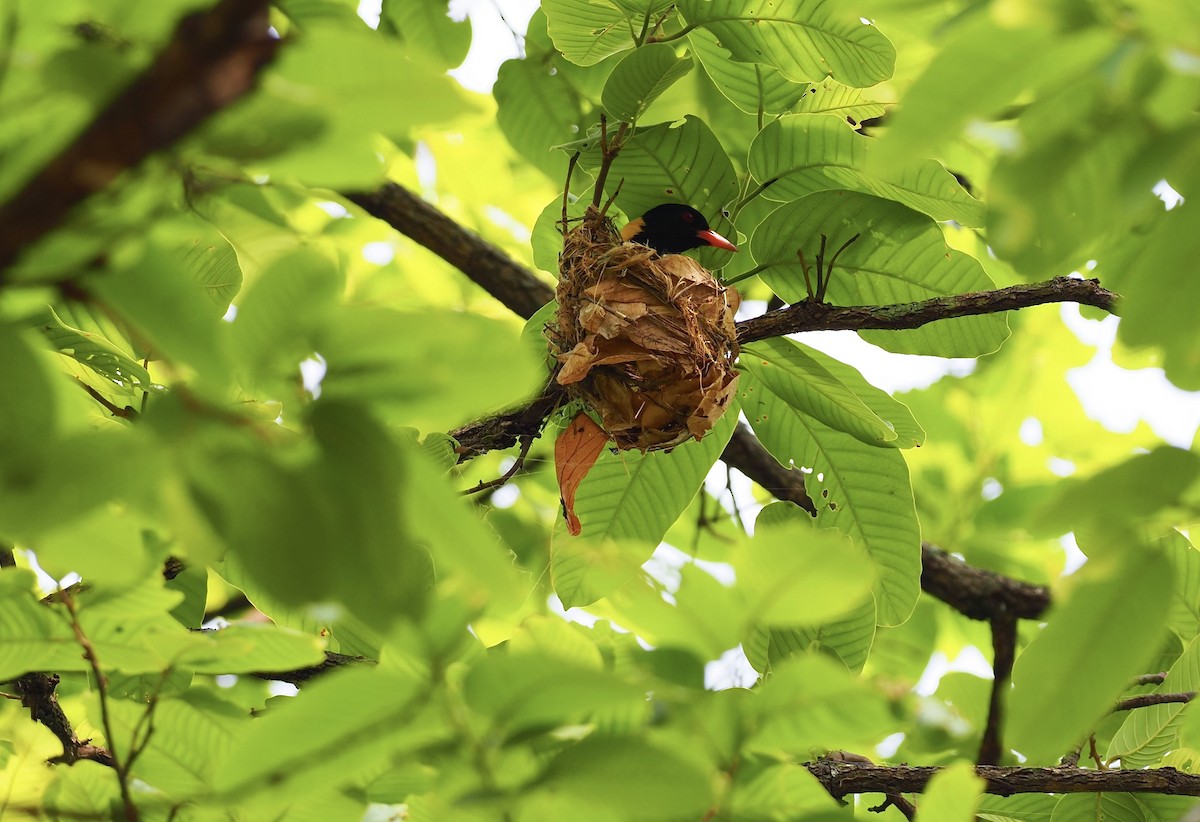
[(814, 316), (499, 274), (212, 59)]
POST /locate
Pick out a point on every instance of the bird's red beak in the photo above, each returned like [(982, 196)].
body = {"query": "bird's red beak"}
[(714, 239)]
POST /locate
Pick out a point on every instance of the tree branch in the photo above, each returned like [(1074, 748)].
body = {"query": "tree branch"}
[(1146, 700), (813, 316), (499, 274), (977, 593), (845, 778), (211, 60)]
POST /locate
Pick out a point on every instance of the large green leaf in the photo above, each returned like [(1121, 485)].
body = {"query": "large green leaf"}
[(952, 795), (899, 256), (632, 779), (426, 28), (537, 108), (848, 639), (858, 489), (1185, 604), (1092, 645), (683, 163), (27, 403), (798, 575), (752, 87), (587, 31), (402, 363), (796, 377), (983, 67), (830, 97), (336, 727), (1149, 733), (807, 40), (636, 497), (814, 702), (803, 153), (640, 78)]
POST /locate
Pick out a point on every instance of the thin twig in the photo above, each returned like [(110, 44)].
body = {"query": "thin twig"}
[(567, 190), (126, 413), (89, 654), (518, 464), (1146, 700), (895, 800)]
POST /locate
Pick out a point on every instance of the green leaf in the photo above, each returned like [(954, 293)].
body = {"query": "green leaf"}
[(640, 78), (983, 67), (1155, 309), (812, 702), (860, 490), (193, 735), (1019, 808), (1185, 604), (807, 40), (682, 163), (899, 256), (527, 690), (849, 103), (278, 317), (427, 29), (848, 639), (169, 304), (797, 378), (336, 727), (27, 402), (1092, 645), (32, 638), (428, 369), (1137, 491), (248, 648), (803, 153), (108, 360), (704, 617), (758, 792), (952, 795), (752, 87), (630, 496), (797, 575), (538, 109), (1149, 733), (631, 778), (587, 31)]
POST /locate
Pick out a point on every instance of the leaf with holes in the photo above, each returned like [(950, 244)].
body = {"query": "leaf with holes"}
[(752, 87), (802, 153), (806, 40), (640, 78), (790, 372), (860, 490)]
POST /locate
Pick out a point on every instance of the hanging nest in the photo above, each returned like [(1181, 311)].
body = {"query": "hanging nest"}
[(647, 341)]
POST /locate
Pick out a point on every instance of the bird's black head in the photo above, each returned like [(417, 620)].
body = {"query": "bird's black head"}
[(673, 228)]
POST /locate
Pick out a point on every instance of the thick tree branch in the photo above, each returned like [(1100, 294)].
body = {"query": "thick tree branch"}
[(501, 276), (977, 593), (211, 60), (845, 778), (812, 316)]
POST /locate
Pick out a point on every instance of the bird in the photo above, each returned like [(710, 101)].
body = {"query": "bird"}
[(672, 228)]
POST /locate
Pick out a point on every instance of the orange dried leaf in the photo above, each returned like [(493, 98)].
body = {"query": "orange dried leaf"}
[(575, 452)]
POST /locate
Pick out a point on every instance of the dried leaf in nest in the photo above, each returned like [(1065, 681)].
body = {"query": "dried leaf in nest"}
[(648, 342)]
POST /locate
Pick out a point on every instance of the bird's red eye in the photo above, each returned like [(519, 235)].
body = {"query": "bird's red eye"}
[(688, 217)]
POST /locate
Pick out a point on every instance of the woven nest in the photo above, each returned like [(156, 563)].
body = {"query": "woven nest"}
[(648, 342)]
